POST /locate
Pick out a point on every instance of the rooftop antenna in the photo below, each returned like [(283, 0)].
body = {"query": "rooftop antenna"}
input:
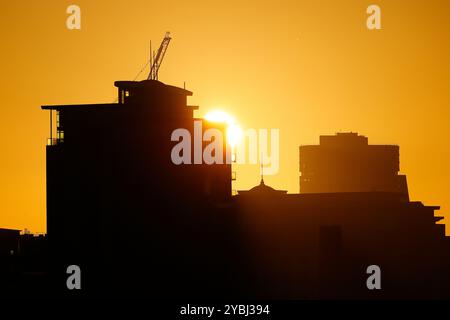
[(151, 55), (262, 169), (158, 58)]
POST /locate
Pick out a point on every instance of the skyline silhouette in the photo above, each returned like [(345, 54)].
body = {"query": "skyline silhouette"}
[(120, 210), (340, 193)]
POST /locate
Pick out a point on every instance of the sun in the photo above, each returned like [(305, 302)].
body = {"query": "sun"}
[(234, 131), (219, 116)]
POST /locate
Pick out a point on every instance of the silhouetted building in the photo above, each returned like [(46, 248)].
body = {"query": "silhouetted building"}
[(9, 242), (319, 245), (9, 247), (353, 212), (347, 163), (113, 191), (22, 264)]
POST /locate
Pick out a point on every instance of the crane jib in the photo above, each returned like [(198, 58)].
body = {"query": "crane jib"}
[(157, 61)]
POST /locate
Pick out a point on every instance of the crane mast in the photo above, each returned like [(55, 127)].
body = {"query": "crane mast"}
[(157, 60)]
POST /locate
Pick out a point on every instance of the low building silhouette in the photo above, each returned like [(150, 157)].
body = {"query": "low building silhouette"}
[(319, 245), (23, 264), (9, 240)]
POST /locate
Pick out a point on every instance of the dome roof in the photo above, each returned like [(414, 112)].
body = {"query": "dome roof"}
[(262, 188)]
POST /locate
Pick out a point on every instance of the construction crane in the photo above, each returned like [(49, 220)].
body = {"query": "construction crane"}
[(158, 59)]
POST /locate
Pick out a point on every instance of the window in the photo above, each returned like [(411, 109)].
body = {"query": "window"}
[(60, 136)]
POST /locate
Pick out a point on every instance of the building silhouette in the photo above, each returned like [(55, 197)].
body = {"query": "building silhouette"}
[(353, 212), (9, 242), (115, 199), (347, 163), (23, 264), (319, 245)]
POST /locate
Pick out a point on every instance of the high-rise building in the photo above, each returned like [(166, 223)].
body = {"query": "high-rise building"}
[(346, 162), (112, 186)]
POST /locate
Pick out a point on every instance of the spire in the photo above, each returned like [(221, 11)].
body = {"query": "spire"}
[(262, 188), (262, 170)]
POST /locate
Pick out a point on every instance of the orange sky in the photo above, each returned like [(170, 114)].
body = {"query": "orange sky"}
[(305, 67)]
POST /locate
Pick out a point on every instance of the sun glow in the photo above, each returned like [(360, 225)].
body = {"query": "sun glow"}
[(234, 131)]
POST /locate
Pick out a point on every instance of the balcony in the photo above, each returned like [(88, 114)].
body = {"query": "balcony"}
[(58, 140), (52, 141)]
